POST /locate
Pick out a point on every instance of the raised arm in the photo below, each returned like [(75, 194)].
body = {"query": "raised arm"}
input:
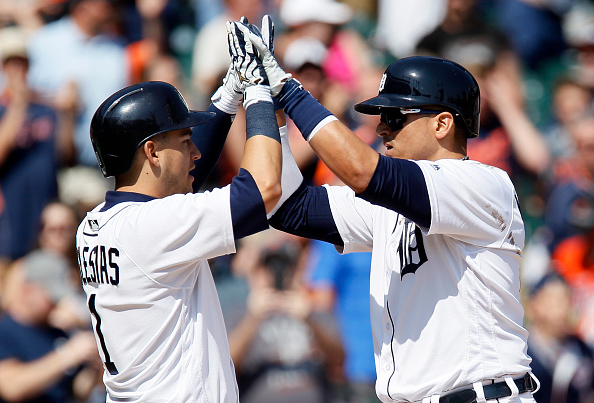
[(392, 183), (262, 156), (349, 157), (256, 190)]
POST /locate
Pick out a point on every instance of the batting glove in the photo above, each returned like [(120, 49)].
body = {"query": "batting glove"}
[(245, 69), (228, 96), (263, 42), (248, 68)]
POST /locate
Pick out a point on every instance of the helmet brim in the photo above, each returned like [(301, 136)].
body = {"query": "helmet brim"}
[(375, 105), (196, 118)]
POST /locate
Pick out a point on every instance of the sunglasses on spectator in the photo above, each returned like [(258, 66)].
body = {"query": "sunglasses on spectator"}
[(395, 118)]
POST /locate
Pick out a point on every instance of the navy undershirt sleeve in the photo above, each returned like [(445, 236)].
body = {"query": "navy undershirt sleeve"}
[(248, 213), (210, 138), (400, 185), (307, 214)]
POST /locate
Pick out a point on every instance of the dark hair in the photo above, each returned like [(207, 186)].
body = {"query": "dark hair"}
[(550, 277), (281, 261)]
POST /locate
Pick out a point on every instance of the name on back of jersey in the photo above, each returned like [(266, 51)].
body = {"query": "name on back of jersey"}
[(99, 265)]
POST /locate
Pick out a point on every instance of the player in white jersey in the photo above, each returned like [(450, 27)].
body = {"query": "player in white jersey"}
[(143, 252), (446, 233)]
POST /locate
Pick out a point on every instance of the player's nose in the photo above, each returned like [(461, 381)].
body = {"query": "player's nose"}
[(195, 153), (383, 130)]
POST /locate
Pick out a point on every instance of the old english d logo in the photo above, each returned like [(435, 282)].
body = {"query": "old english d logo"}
[(411, 249)]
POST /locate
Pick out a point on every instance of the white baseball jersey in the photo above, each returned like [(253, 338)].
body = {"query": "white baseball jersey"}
[(445, 300), (155, 310)]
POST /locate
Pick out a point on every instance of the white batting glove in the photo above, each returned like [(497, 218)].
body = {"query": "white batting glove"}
[(245, 69), (263, 42), (228, 96)]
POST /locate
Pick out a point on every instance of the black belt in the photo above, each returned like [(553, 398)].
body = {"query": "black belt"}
[(492, 391)]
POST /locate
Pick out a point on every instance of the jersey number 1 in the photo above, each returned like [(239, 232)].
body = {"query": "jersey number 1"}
[(108, 363)]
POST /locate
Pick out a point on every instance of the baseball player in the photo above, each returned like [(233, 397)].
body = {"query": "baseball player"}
[(445, 232), (143, 252)]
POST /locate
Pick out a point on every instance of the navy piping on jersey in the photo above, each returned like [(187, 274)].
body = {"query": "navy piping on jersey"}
[(400, 185), (307, 214), (113, 197), (248, 212), (392, 351)]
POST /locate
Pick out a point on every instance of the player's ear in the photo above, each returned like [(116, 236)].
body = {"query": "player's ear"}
[(444, 124), (150, 150)]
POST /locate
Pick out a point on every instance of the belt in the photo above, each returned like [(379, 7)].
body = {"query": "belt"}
[(492, 391)]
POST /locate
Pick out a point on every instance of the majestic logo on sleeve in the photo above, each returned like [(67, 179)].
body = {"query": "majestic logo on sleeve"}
[(411, 249), (94, 225)]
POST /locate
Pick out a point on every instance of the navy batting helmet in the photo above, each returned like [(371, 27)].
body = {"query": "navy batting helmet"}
[(133, 115), (418, 81)]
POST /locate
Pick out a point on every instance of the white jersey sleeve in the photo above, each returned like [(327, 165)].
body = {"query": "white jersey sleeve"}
[(474, 203), (353, 218)]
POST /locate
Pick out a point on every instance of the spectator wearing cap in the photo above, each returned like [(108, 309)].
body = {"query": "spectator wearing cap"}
[(37, 361), (348, 55), (77, 62), (28, 159), (561, 360)]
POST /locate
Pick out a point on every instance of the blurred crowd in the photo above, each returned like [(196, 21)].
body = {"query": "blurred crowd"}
[(297, 312)]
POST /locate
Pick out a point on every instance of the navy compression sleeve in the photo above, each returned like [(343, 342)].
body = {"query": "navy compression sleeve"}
[(248, 213), (400, 185), (307, 214), (210, 138)]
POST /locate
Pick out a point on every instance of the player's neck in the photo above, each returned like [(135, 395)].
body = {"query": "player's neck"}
[(447, 154), (139, 179), (139, 188), (141, 184)]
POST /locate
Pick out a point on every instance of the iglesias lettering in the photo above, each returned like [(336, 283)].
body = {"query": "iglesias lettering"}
[(99, 265)]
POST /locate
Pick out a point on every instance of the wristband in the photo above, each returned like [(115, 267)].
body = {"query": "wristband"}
[(260, 119), (307, 113)]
